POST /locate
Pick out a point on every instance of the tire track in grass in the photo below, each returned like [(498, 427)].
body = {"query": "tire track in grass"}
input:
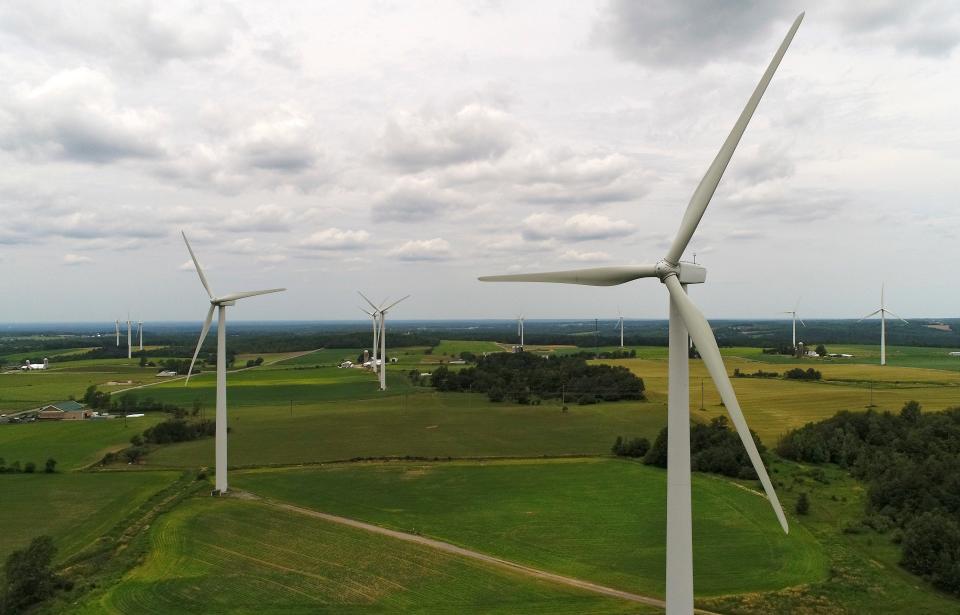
[(475, 555)]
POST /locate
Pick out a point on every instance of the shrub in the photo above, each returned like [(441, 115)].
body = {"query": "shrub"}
[(50, 466), (29, 467), (803, 504)]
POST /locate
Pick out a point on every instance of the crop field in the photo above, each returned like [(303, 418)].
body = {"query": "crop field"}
[(423, 423), (453, 348), (230, 555), (26, 390), (74, 444), (74, 509), (602, 520)]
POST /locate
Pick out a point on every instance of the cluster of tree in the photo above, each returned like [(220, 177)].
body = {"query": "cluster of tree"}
[(28, 468), (175, 430), (128, 403), (527, 378), (798, 373), (180, 366), (909, 462), (714, 447), (255, 362), (635, 447), (757, 374), (781, 348), (606, 354), (211, 359), (29, 577)]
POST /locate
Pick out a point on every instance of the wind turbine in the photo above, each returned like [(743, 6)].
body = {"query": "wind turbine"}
[(794, 313), (520, 320), (221, 304), (883, 311), (375, 317), (382, 336), (685, 319), (140, 332), (129, 343), (620, 325), (117, 324)]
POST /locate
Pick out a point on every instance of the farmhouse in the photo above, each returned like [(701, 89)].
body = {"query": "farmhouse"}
[(64, 411)]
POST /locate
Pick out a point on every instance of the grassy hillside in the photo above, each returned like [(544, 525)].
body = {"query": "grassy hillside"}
[(240, 556), (602, 520), (72, 508)]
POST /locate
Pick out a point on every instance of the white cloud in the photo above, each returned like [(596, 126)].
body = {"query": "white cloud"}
[(74, 115), (585, 257), (435, 249), (579, 227), (71, 260), (415, 200), (336, 239)]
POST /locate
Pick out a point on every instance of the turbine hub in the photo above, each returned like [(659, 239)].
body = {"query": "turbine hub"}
[(665, 269), (687, 273)]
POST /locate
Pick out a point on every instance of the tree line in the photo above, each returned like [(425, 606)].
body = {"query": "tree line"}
[(909, 463), (526, 378)]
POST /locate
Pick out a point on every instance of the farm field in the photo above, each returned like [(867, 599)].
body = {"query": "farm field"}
[(601, 520), (219, 555), (423, 423), (74, 509), (74, 444)]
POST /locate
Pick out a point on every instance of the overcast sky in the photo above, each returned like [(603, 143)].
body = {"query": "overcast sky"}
[(407, 147)]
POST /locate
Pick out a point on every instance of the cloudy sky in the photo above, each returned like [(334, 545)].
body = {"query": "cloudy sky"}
[(409, 147)]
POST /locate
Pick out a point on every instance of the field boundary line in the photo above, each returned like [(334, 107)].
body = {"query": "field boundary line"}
[(452, 549)]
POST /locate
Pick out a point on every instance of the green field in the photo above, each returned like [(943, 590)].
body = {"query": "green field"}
[(602, 520), (239, 556), (75, 509), (74, 444), (423, 424)]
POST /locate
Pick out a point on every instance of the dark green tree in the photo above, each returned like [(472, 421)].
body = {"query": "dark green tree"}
[(50, 466), (28, 578), (803, 504)]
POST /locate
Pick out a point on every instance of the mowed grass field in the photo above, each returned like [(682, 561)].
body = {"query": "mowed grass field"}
[(73, 444), (601, 520), (75, 509), (227, 555), (423, 423)]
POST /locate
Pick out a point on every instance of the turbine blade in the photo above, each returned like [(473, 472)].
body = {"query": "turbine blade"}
[(869, 315), (196, 263), (597, 276), (708, 185), (895, 316), (375, 308), (801, 322), (706, 343), (394, 303), (366, 312), (203, 336), (249, 293)]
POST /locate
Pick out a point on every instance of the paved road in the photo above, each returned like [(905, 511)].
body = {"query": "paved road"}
[(455, 550)]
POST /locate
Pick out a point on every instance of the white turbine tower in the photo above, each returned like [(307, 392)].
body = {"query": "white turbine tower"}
[(620, 325), (520, 320), (129, 342), (685, 319), (883, 311), (221, 304), (140, 332), (375, 317), (117, 324), (382, 336), (795, 319)]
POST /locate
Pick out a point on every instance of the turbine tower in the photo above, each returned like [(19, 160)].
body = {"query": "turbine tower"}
[(221, 304), (686, 319), (117, 324), (883, 311), (129, 342), (382, 336), (140, 332), (620, 324), (520, 320), (795, 319), (375, 316)]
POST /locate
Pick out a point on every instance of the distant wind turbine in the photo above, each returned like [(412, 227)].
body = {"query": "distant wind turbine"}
[(129, 342), (685, 318), (117, 324), (795, 319), (375, 317), (883, 311), (620, 325), (221, 304), (382, 336), (140, 332), (520, 320)]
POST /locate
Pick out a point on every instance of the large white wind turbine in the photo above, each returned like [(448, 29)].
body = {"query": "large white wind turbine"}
[(382, 311), (520, 320), (685, 319), (883, 311), (117, 324), (375, 317), (620, 325), (795, 319), (221, 304)]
